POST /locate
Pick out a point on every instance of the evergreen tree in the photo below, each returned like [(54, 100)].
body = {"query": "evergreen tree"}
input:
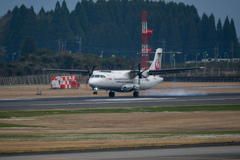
[(29, 46), (211, 37), (114, 26), (220, 38), (233, 38), (226, 35), (60, 27), (204, 32)]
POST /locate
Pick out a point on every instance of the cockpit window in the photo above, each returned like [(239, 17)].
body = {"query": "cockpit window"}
[(98, 76)]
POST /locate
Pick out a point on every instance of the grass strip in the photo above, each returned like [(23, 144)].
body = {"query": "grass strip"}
[(116, 136), (15, 125), (9, 114)]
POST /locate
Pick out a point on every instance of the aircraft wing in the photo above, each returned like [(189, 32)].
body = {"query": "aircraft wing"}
[(169, 71), (69, 70)]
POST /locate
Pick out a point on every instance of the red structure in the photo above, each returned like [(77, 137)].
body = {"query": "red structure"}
[(64, 82), (145, 33)]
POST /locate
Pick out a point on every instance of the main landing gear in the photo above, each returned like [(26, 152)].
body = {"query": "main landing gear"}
[(95, 90), (111, 94), (135, 94)]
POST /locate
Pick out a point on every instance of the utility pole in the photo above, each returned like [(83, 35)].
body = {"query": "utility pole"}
[(62, 45), (231, 51), (217, 53), (79, 41)]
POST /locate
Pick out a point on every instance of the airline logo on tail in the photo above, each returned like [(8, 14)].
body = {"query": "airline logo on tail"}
[(157, 65)]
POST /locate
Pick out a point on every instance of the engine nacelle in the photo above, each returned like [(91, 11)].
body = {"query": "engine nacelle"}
[(127, 88), (145, 74)]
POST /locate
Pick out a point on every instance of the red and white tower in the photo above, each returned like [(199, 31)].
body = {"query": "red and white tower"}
[(145, 33)]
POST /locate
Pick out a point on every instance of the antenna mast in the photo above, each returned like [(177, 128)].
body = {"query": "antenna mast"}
[(145, 33)]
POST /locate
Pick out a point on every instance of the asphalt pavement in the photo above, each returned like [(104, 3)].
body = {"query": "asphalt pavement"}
[(120, 101), (189, 153)]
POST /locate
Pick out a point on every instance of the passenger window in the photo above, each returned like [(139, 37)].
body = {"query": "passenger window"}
[(92, 76), (97, 76)]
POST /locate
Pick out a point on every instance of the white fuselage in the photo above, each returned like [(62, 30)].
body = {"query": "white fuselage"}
[(119, 81)]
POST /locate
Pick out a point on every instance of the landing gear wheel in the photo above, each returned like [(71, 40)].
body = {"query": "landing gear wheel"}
[(111, 94), (95, 92), (135, 94)]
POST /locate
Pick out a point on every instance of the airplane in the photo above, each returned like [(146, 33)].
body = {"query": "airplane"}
[(127, 80)]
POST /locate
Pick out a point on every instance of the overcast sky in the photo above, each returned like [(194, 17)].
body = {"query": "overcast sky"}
[(220, 8)]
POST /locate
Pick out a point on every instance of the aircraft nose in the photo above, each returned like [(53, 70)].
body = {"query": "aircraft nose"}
[(92, 82)]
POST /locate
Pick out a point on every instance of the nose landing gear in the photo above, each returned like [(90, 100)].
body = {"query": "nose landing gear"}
[(95, 90)]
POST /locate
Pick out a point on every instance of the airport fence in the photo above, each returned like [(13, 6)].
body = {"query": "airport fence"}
[(36, 79), (205, 75)]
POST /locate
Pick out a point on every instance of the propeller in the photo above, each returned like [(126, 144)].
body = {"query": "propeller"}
[(90, 72), (138, 73)]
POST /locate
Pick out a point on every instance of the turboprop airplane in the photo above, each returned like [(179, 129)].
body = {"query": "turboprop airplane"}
[(127, 80)]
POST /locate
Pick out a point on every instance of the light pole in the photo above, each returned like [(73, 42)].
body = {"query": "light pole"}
[(206, 55), (196, 58), (185, 57), (13, 56), (173, 60)]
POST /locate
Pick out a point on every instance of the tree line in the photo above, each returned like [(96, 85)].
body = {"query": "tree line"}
[(114, 27)]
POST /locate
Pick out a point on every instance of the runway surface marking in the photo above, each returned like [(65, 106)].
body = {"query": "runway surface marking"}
[(130, 99), (126, 100)]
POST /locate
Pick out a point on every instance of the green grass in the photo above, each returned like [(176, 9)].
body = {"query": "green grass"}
[(14, 125), (111, 136), (9, 114)]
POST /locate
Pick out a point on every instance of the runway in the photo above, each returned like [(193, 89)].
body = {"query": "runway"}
[(189, 153), (119, 101)]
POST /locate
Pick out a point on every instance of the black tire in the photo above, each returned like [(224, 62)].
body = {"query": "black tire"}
[(111, 94), (135, 94)]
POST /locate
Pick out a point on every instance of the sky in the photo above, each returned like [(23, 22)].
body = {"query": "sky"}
[(219, 8)]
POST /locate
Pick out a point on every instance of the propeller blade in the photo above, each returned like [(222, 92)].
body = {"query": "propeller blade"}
[(90, 72)]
